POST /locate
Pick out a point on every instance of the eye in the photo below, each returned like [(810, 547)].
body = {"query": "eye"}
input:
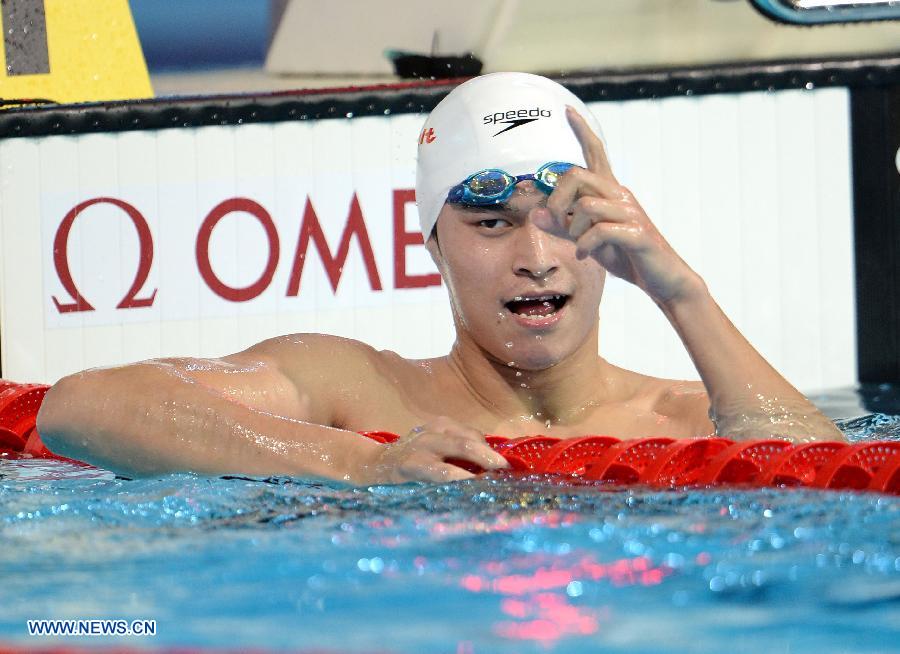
[(492, 223)]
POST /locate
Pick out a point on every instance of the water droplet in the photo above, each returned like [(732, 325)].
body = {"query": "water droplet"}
[(349, 114), (538, 337), (511, 364), (523, 385), (508, 344), (518, 373), (809, 86)]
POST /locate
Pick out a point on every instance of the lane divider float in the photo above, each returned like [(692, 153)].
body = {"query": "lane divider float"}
[(656, 462)]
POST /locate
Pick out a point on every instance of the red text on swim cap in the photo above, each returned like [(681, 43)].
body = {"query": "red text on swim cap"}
[(427, 136)]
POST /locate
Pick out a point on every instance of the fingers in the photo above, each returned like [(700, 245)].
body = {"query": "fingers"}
[(588, 211), (444, 472), (626, 235), (443, 447), (577, 182), (428, 453), (591, 145), (480, 454), (579, 185)]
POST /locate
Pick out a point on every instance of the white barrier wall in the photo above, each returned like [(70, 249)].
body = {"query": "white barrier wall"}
[(124, 246)]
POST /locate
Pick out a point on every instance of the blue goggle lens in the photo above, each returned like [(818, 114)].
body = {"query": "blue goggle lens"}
[(489, 183), (494, 186), (550, 173)]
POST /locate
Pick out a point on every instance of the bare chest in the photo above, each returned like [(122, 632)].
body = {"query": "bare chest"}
[(398, 407)]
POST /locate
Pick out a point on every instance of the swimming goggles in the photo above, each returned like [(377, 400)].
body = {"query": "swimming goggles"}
[(494, 186)]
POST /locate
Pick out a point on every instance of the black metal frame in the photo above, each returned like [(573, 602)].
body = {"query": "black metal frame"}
[(416, 97)]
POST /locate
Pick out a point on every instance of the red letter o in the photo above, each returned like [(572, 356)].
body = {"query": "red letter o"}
[(206, 272)]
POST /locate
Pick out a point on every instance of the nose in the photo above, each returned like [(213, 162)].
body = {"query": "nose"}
[(535, 256)]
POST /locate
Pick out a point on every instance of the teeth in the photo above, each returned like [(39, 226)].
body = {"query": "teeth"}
[(539, 298)]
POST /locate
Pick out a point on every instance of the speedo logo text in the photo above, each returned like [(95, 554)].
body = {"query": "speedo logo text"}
[(515, 118)]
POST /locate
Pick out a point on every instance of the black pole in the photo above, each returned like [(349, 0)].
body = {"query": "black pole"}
[(875, 125)]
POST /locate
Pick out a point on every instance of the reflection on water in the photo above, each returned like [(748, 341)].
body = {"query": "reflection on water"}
[(496, 564)]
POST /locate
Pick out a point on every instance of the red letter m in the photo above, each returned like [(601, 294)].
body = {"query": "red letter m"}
[(334, 265)]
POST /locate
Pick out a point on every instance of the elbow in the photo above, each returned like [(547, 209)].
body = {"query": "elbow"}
[(67, 424), (59, 417)]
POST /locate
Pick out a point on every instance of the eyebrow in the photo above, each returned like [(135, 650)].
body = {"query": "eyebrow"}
[(505, 206), (475, 208)]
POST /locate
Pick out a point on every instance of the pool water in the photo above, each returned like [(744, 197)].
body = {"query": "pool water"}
[(496, 564)]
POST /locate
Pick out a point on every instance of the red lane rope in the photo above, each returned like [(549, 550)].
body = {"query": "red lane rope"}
[(658, 462)]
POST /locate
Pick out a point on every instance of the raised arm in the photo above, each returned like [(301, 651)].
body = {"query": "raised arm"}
[(239, 414), (747, 397)]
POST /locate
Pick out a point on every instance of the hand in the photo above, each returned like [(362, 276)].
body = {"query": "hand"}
[(606, 222), (421, 455)]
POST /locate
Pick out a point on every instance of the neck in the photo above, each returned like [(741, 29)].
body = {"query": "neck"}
[(561, 394)]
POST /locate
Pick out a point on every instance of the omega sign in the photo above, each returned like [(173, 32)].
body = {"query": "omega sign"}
[(311, 235)]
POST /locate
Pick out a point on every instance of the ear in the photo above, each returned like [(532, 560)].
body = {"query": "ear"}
[(434, 249)]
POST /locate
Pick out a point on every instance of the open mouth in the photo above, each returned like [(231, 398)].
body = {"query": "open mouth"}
[(539, 306)]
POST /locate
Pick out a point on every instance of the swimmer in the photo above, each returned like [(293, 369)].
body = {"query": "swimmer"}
[(524, 218)]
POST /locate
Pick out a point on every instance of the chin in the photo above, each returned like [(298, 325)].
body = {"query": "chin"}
[(532, 359)]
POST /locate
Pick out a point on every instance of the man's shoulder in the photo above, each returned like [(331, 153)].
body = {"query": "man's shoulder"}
[(306, 348), (671, 394), (685, 402), (324, 353), (655, 391), (669, 397)]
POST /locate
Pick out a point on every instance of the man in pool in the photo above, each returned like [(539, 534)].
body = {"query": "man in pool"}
[(524, 254)]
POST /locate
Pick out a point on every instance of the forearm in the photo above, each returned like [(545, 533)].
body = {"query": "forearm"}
[(147, 419), (748, 397)]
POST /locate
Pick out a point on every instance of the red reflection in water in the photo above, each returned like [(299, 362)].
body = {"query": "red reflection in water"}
[(538, 613), (623, 572)]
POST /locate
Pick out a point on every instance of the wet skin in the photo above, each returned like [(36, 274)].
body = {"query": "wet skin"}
[(292, 404)]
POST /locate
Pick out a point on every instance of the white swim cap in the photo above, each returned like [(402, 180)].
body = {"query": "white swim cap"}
[(512, 121)]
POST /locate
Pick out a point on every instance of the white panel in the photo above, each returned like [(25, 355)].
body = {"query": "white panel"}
[(752, 190), (680, 207), (720, 219), (179, 219), (61, 192), (836, 265), (22, 332), (760, 211), (799, 234), (642, 170)]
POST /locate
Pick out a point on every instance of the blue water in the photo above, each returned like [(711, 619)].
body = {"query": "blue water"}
[(496, 564)]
